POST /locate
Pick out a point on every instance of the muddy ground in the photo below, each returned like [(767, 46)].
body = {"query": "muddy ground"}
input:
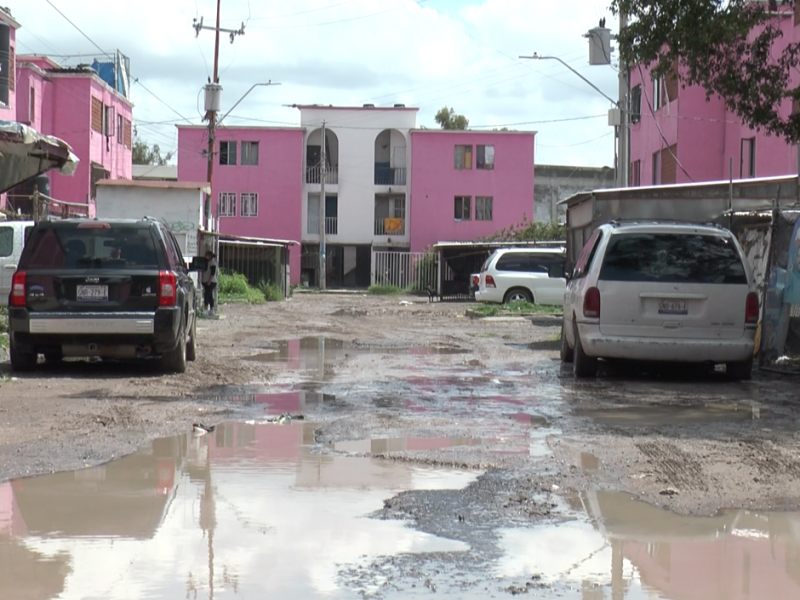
[(679, 439)]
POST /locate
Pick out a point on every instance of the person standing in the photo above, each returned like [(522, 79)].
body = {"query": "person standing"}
[(209, 281)]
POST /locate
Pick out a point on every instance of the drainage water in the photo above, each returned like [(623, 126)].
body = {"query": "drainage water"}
[(247, 511), (620, 547)]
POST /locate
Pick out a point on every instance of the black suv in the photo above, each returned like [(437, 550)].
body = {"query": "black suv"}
[(115, 288)]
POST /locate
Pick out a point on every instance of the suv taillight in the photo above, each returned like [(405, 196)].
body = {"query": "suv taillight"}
[(490, 281), (18, 291), (167, 294), (591, 303), (476, 279), (751, 308)]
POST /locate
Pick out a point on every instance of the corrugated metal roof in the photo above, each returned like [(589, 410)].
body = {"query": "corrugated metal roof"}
[(242, 238), (550, 243)]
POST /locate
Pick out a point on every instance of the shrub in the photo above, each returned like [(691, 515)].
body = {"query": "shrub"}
[(234, 287), (271, 292)]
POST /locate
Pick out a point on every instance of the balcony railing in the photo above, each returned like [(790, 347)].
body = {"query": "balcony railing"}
[(314, 175), (390, 226), (390, 175), (331, 225)]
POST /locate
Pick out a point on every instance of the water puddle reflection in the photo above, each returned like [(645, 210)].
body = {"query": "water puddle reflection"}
[(408, 444), (247, 511), (625, 548), (653, 415)]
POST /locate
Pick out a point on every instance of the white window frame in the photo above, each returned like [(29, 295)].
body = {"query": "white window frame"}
[(248, 204), (227, 204), (247, 154)]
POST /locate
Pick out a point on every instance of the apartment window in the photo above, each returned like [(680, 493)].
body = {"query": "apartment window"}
[(249, 153), (463, 157), (636, 103), (671, 84), (227, 153), (463, 208), (636, 173), (227, 204), (658, 95), (747, 164), (656, 167), (12, 61), (120, 130), (483, 208), (109, 121), (97, 115), (127, 138), (249, 203), (669, 165), (32, 106), (485, 157)]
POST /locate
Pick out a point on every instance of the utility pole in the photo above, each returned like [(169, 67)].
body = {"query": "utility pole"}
[(623, 169), (323, 274), (212, 124)]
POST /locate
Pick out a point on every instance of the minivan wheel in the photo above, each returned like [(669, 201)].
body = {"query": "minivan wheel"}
[(517, 295), (21, 361), (582, 365), (191, 347), (174, 361), (741, 370), (566, 352)]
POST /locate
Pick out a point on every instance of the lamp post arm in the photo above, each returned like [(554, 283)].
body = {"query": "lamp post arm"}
[(254, 86), (597, 89)]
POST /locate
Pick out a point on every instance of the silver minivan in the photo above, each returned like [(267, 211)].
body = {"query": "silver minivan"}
[(13, 235)]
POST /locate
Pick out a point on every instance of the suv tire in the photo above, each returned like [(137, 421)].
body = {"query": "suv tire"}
[(174, 361), (21, 361), (517, 295), (567, 353), (741, 370), (191, 346), (582, 365)]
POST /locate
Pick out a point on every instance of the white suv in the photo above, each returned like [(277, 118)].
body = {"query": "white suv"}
[(660, 292), (523, 274)]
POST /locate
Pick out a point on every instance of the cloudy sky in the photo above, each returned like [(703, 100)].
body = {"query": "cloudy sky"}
[(424, 53)]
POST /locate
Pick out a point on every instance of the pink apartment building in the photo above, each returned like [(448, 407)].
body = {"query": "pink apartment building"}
[(257, 181), (390, 188), (679, 137), (466, 185), (86, 106)]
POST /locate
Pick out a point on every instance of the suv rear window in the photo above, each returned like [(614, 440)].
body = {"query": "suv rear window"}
[(672, 258), (528, 262), (105, 247)]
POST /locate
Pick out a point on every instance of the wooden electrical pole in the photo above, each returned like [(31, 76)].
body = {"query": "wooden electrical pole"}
[(212, 125)]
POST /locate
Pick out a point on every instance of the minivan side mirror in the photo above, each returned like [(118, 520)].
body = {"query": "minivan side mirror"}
[(556, 272), (199, 263)]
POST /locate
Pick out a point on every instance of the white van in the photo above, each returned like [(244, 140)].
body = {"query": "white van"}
[(13, 235)]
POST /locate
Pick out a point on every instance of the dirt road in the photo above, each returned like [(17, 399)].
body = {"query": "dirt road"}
[(694, 444)]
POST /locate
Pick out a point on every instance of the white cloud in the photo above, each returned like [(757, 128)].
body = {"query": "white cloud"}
[(462, 53)]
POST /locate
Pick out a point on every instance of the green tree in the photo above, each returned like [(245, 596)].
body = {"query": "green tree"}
[(144, 154), (448, 119), (732, 48), (529, 231)]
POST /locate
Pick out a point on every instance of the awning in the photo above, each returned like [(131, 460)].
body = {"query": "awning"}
[(25, 153)]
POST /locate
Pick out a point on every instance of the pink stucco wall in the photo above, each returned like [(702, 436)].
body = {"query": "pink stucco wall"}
[(277, 179), (708, 135), (435, 182)]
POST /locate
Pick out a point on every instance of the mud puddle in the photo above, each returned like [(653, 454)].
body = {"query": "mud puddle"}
[(403, 444), (620, 547), (316, 352), (250, 510), (653, 415)]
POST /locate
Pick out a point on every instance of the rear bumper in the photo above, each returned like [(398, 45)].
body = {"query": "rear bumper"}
[(489, 295), (40, 331), (598, 345)]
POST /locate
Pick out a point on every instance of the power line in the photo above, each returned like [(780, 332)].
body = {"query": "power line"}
[(540, 122), (78, 29), (303, 12)]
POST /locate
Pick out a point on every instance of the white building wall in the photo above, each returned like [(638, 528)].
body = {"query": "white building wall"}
[(356, 130)]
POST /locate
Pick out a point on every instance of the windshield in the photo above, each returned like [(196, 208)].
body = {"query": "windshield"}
[(106, 247), (673, 258)]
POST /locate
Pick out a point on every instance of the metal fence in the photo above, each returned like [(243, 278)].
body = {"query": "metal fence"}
[(414, 271), (259, 263)]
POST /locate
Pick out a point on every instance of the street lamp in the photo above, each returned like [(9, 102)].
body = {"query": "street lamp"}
[(622, 147)]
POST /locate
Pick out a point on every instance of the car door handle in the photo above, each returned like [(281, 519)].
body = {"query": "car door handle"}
[(10, 267)]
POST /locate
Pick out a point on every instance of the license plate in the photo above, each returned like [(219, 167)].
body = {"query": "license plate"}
[(92, 293), (672, 307)]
